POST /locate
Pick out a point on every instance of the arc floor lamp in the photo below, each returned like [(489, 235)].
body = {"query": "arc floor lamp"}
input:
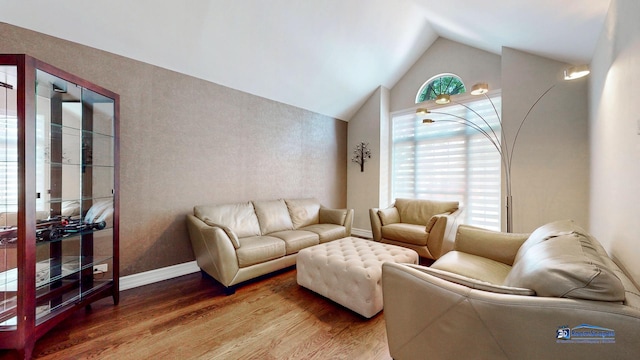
[(499, 142)]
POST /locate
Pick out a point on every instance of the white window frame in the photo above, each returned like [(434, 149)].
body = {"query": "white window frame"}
[(441, 170)]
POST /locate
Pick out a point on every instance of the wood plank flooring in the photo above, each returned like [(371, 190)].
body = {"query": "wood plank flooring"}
[(190, 318)]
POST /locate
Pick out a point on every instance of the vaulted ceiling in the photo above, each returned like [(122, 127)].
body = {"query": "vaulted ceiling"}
[(326, 56)]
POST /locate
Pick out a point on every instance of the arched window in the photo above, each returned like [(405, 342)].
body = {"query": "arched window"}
[(449, 84)]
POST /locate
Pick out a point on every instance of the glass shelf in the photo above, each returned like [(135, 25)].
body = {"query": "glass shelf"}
[(44, 311), (51, 270), (55, 269)]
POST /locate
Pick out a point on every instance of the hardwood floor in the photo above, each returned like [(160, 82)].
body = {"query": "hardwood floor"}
[(190, 318)]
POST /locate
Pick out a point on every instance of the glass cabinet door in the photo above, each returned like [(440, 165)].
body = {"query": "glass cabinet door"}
[(8, 196), (75, 197), (58, 197)]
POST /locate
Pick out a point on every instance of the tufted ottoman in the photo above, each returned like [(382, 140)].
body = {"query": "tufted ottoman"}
[(349, 271)]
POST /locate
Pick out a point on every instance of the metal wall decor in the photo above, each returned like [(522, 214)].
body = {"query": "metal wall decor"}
[(360, 154)]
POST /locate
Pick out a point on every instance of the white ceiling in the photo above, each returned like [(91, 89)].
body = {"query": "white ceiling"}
[(326, 56)]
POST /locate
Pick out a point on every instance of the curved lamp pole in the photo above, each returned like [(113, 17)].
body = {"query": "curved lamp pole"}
[(498, 142)]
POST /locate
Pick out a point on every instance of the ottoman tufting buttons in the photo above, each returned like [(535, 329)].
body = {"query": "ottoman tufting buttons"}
[(349, 271)]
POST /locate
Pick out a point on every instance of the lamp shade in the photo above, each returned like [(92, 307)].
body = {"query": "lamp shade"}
[(479, 89), (443, 99), (576, 72), (422, 111)]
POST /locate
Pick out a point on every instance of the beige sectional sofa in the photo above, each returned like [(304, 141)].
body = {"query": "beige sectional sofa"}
[(426, 226), (551, 294), (237, 242)]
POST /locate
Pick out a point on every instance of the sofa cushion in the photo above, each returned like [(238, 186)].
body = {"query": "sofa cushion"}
[(544, 233), (473, 266), (303, 212), (327, 232), (241, 217), (406, 233), (389, 216), (332, 216), (296, 240), (565, 261), (273, 216), (419, 212), (258, 249)]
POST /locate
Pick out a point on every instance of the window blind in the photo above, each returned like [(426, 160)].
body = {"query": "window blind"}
[(447, 160), (8, 164)]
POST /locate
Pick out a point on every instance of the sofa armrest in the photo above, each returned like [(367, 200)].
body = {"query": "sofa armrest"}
[(435, 239), (348, 221), (214, 251), (432, 221), (472, 283), (425, 314), (376, 224), (343, 217), (495, 245), (230, 234), (332, 216), (440, 227)]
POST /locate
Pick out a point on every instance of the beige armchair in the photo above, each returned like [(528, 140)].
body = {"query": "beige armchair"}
[(553, 294), (425, 226)]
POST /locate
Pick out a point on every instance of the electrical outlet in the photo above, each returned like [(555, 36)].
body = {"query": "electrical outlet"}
[(102, 268)]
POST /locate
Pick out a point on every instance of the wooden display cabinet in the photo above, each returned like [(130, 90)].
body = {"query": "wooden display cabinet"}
[(58, 198)]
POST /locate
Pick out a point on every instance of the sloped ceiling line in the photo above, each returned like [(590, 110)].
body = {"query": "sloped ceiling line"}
[(323, 56)]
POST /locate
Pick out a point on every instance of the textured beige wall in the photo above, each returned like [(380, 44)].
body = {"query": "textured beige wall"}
[(186, 141)]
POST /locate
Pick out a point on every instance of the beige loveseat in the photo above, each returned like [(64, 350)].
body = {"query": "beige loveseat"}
[(237, 242), (421, 225), (553, 294)]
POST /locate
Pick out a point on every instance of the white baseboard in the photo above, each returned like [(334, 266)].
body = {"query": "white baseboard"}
[(170, 272), (362, 233), (153, 276)]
